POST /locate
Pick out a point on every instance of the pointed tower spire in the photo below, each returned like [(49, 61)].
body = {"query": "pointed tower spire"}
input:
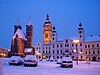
[(30, 22), (17, 25), (47, 17), (18, 21), (80, 24)]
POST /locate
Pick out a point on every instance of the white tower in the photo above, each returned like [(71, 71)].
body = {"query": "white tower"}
[(54, 35), (81, 33)]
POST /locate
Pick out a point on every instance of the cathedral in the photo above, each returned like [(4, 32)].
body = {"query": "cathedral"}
[(21, 42)]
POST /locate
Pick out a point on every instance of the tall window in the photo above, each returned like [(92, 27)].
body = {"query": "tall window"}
[(46, 51), (93, 45), (93, 52), (86, 52), (72, 45), (53, 38), (57, 57), (89, 52), (49, 51), (53, 46), (49, 47), (88, 46), (46, 47), (53, 51), (80, 44), (67, 45), (85, 46), (98, 51), (66, 41), (81, 57), (57, 51), (80, 36), (61, 45), (60, 51), (81, 50), (43, 51), (97, 45), (57, 46)]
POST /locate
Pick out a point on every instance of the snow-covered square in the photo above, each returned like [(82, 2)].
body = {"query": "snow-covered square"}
[(51, 68)]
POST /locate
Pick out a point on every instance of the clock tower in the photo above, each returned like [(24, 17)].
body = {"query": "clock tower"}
[(47, 32)]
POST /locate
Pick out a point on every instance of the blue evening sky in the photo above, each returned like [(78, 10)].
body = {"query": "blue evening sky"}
[(64, 14)]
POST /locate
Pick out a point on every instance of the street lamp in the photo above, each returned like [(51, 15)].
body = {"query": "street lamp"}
[(76, 42)]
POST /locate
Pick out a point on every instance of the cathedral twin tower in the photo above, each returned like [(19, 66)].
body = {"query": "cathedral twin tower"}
[(22, 43)]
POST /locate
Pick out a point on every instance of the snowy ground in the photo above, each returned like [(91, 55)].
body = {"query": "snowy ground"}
[(51, 68)]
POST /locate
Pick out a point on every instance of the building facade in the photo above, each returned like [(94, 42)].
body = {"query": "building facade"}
[(4, 52), (21, 43), (52, 47), (92, 48)]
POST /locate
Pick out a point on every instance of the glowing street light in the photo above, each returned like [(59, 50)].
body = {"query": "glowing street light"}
[(80, 52), (74, 50), (76, 42)]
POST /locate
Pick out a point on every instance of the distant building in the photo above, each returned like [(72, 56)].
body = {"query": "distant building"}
[(3, 52), (92, 48), (21, 43), (52, 47)]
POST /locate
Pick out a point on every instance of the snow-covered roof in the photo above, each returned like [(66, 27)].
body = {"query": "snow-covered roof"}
[(92, 38), (28, 50), (20, 34)]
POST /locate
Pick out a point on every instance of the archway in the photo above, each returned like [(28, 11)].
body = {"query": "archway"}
[(93, 58)]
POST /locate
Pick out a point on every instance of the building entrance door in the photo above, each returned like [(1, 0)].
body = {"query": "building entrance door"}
[(93, 58)]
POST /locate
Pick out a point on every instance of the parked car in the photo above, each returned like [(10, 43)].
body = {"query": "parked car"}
[(51, 58), (67, 62), (59, 61), (47, 59), (30, 60), (15, 60)]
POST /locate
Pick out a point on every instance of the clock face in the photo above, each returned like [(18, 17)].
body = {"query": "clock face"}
[(46, 28)]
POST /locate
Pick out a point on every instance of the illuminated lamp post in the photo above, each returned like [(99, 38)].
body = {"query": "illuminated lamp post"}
[(76, 42)]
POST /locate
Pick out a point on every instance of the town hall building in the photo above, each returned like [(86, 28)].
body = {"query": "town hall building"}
[(52, 47)]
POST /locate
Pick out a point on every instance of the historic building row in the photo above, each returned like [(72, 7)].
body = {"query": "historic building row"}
[(52, 47)]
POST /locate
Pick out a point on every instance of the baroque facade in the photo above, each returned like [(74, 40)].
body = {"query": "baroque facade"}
[(52, 47)]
